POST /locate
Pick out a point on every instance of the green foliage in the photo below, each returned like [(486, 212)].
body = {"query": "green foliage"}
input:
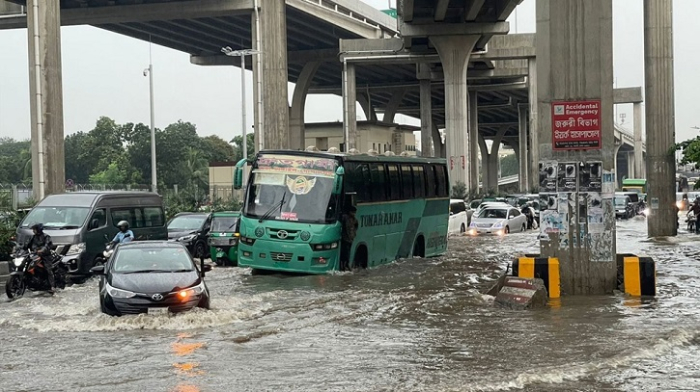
[(459, 190), (238, 146), (509, 166), (112, 175)]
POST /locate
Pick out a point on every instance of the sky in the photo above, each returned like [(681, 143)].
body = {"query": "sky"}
[(103, 76)]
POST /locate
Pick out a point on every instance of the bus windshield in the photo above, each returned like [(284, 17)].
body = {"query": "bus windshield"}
[(292, 188)]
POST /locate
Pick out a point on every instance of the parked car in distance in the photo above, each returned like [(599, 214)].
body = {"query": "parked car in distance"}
[(459, 220), (223, 237), (154, 277), (490, 204), (499, 220), (191, 229), (623, 207)]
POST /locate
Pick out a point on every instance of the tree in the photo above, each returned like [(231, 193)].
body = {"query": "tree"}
[(112, 175), (238, 146), (216, 149), (509, 166)]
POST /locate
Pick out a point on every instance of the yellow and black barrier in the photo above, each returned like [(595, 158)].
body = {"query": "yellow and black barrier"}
[(545, 268), (636, 275)]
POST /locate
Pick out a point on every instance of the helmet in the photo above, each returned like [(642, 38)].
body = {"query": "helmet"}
[(124, 225), (39, 227)]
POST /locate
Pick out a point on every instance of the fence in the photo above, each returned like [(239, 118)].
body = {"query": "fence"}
[(21, 195)]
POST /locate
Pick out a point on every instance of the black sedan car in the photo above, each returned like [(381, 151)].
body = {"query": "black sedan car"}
[(154, 277), (191, 229)]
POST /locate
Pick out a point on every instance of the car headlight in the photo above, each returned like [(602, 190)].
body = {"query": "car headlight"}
[(647, 211), (196, 290), (473, 224), (498, 224), (107, 253), (76, 249), (118, 293), (186, 238), (18, 261)]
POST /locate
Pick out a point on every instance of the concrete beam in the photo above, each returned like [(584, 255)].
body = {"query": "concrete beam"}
[(472, 9), (368, 12), (628, 95), (142, 13), (406, 9), (454, 29), (333, 89), (340, 20), (364, 46), (295, 57), (441, 10)]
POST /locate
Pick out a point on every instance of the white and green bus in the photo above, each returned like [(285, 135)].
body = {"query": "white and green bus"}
[(294, 201)]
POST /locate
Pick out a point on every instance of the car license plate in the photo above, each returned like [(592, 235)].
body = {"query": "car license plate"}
[(158, 311)]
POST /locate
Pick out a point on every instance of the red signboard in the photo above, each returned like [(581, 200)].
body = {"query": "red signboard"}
[(576, 125)]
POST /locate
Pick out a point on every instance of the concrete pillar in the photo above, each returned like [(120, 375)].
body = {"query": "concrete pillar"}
[(473, 162), (638, 142), (484, 150), (426, 118), (533, 150), (46, 97), (454, 54), (575, 63), (661, 165), (438, 146), (274, 120), (367, 107), (630, 165), (349, 107), (297, 134), (618, 177), (521, 149), (393, 105)]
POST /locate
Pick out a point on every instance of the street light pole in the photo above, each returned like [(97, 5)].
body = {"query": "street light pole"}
[(149, 72), (242, 53)]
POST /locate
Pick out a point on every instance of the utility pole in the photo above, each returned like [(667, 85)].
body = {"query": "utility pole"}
[(149, 72)]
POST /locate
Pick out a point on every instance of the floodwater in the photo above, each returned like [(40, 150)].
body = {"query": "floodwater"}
[(415, 325)]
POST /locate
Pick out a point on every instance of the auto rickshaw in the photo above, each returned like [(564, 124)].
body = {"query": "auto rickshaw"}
[(223, 238)]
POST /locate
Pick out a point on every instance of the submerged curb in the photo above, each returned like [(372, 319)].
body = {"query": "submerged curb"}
[(4, 272)]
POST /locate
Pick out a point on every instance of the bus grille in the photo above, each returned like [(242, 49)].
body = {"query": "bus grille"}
[(276, 256)]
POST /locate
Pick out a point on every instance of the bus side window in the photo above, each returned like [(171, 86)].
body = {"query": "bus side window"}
[(430, 181), (406, 182), (418, 182), (378, 182), (442, 183), (394, 182), (364, 192), (355, 181)]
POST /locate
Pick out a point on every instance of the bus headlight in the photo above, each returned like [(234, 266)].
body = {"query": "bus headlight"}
[(329, 246)]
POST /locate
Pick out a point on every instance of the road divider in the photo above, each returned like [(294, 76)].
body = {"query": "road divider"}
[(636, 275), (4, 272), (545, 268), (520, 294)]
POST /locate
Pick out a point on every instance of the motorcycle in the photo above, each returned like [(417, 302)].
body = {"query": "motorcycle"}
[(109, 249), (30, 274)]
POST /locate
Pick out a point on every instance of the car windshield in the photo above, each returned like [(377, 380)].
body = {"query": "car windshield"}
[(292, 188), (57, 217), (493, 213), (222, 224), (152, 259), (187, 223), (620, 201)]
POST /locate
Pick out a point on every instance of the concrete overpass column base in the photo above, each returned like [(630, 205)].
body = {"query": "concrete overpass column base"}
[(426, 118), (46, 97), (473, 162), (349, 107), (521, 150), (454, 54)]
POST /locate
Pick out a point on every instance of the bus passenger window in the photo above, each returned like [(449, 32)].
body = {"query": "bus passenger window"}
[(418, 181), (378, 182), (394, 182), (442, 183), (430, 181), (406, 182)]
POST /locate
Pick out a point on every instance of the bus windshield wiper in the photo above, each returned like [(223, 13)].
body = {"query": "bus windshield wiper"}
[(273, 208)]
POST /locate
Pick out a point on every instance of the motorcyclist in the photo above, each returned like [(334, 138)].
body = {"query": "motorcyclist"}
[(696, 212), (41, 244), (527, 211), (124, 235)]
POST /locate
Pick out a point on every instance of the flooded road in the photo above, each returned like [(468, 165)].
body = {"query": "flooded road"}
[(416, 325)]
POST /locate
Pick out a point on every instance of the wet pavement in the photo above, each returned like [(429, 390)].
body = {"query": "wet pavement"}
[(415, 325)]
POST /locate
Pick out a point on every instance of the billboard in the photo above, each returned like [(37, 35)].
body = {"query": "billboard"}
[(576, 125)]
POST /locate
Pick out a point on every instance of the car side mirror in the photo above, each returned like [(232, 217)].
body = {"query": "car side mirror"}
[(238, 174), (98, 270), (338, 180)]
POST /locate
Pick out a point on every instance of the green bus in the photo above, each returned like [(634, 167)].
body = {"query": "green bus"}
[(294, 200), (638, 185)]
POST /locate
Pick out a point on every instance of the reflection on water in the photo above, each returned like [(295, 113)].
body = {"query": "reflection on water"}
[(415, 325)]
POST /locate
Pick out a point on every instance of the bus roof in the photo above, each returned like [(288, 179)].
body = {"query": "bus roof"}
[(357, 158), (634, 181)]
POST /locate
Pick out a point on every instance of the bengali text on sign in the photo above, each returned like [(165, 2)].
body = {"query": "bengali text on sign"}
[(576, 125)]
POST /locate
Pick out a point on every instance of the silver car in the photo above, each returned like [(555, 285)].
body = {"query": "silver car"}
[(498, 220)]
